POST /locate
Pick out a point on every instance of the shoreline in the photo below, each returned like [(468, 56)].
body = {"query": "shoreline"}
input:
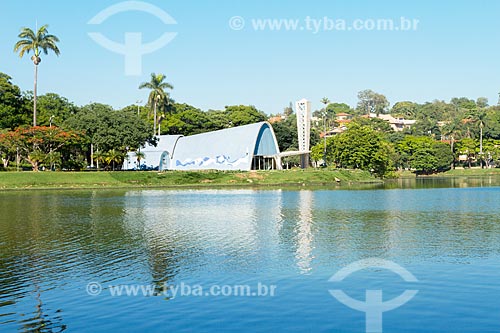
[(287, 179), (181, 179)]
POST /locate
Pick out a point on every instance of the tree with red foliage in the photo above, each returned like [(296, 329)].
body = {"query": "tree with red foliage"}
[(39, 145)]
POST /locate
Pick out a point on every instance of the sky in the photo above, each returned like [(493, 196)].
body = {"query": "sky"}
[(220, 55)]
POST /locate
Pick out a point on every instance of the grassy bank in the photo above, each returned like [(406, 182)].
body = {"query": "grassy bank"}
[(474, 172), (72, 180), (458, 172)]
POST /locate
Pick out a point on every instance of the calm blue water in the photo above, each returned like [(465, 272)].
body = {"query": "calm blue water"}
[(53, 244)]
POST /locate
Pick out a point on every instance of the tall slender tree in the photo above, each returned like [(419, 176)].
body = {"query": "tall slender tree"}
[(157, 85), (38, 42), (325, 101), (480, 117), (452, 129)]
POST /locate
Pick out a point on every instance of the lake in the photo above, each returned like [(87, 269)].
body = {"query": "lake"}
[(248, 260)]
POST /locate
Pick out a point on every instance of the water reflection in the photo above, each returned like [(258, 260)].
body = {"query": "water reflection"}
[(53, 243), (304, 237)]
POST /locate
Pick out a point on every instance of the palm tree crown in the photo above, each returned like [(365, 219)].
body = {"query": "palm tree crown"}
[(41, 41), (158, 95), (38, 42)]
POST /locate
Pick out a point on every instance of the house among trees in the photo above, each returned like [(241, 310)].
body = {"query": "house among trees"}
[(398, 124)]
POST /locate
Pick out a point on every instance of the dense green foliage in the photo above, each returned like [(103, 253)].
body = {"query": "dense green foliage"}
[(188, 120), (424, 154), (12, 109), (360, 147), (462, 132), (109, 133), (50, 147), (446, 134)]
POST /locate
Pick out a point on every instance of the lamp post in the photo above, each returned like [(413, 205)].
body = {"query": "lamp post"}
[(51, 119)]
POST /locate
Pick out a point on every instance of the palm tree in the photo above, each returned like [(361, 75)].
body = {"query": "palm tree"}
[(480, 117), (325, 101), (113, 157), (41, 41), (158, 93), (452, 129), (139, 155)]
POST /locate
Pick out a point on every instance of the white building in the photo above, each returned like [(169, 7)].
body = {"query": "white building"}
[(248, 147), (397, 124)]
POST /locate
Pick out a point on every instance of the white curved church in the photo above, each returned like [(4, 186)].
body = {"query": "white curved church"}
[(248, 147)]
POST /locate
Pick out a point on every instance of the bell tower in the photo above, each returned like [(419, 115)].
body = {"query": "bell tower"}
[(303, 110)]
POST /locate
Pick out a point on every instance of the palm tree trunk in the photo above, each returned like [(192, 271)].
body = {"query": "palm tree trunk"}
[(481, 140), (34, 95), (481, 146), (452, 152), (154, 120)]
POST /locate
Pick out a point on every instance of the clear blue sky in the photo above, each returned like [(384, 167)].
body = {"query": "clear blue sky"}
[(453, 52)]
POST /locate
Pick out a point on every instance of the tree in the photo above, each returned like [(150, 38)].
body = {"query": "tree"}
[(463, 103), (376, 124), (482, 102), (426, 127), (7, 149), (139, 155), (108, 129), (438, 111), (54, 109), (332, 109), (372, 102), (288, 111), (492, 124), (491, 151), (286, 134), (405, 109), (453, 130), (189, 121), (12, 108), (114, 157), (239, 115), (158, 95), (336, 108), (40, 145), (479, 117), (360, 147), (325, 101), (468, 147), (424, 155), (36, 43)]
